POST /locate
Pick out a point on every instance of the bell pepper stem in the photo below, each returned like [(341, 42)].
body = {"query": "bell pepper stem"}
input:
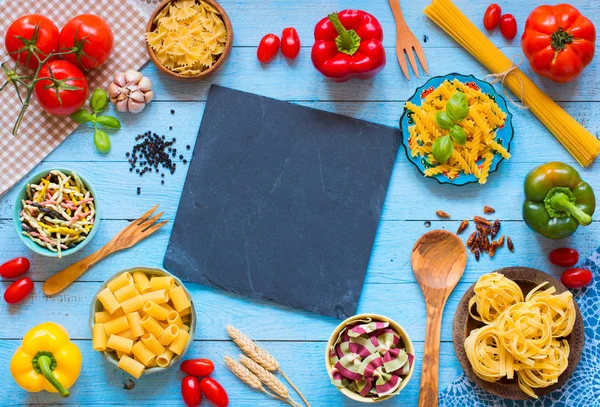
[(561, 202), (348, 41), (45, 362)]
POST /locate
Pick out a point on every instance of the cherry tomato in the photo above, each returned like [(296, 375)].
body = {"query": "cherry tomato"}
[(90, 37), (576, 278), (70, 100), (190, 391), (564, 257), (14, 268), (508, 26), (18, 290), (214, 392), (26, 27), (491, 18), (290, 43), (268, 47), (197, 367)]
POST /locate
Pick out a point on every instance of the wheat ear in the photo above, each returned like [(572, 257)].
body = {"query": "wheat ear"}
[(259, 355)]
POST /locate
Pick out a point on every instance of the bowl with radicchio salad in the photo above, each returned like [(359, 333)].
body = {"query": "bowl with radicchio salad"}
[(369, 358), (55, 213)]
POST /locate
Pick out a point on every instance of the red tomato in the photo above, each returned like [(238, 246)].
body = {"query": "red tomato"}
[(268, 47), (558, 41), (46, 40), (18, 290), (190, 391), (508, 26), (290, 43), (213, 391), (576, 278), (90, 37), (491, 18), (197, 367), (14, 268), (70, 100), (564, 257)]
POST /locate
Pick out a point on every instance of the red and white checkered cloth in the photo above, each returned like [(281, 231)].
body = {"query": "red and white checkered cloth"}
[(40, 133)]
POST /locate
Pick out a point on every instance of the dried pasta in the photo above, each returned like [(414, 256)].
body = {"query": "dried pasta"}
[(480, 125), (139, 321), (188, 36), (523, 335)]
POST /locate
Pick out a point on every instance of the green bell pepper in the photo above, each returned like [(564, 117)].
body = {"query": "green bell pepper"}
[(557, 200)]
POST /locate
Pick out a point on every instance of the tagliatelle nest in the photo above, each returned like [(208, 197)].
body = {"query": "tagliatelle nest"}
[(189, 36)]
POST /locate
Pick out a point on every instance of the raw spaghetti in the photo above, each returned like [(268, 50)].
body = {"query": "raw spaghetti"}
[(59, 212), (526, 338), (480, 125), (580, 143)]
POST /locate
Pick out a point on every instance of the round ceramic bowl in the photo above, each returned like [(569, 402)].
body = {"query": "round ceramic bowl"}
[(220, 61), (97, 306), (35, 178), (527, 279), (504, 135), (406, 342)]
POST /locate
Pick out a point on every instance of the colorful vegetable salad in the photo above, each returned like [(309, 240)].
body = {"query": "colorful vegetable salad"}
[(368, 358), (59, 212)]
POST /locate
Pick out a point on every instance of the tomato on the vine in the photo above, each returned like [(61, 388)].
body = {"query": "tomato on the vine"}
[(214, 392), (15, 267), (508, 26), (37, 35), (576, 278), (18, 290), (268, 47), (66, 93), (190, 391), (90, 38), (290, 43), (491, 18)]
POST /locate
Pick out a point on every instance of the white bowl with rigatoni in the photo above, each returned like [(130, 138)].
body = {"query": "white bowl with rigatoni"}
[(100, 315), (24, 196), (389, 369)]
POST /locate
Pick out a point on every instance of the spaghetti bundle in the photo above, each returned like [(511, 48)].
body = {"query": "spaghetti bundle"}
[(580, 143)]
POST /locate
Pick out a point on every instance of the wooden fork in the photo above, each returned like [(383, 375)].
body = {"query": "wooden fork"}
[(133, 233), (406, 42)]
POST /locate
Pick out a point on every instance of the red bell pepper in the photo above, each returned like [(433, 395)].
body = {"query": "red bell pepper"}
[(347, 45)]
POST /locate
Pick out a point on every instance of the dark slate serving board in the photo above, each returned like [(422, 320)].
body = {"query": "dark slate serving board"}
[(282, 202)]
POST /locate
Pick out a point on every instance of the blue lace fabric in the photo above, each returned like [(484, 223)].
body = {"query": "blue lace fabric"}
[(581, 390)]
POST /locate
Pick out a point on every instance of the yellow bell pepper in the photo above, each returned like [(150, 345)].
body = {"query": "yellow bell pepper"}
[(46, 360)]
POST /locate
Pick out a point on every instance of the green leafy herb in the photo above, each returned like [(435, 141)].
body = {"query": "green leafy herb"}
[(457, 107), (458, 135), (442, 149), (98, 103), (443, 120)]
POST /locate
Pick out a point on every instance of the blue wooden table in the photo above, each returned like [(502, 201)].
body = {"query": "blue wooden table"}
[(296, 338)]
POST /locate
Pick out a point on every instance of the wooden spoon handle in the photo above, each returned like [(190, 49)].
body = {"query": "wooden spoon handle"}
[(66, 277), (431, 358)]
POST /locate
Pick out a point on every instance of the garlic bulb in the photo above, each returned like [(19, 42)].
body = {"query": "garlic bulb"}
[(130, 91)]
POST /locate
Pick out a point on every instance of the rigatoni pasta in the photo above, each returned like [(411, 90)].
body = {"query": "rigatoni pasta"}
[(144, 321)]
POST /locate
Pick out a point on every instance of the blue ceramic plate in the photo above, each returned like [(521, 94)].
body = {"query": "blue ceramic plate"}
[(503, 136)]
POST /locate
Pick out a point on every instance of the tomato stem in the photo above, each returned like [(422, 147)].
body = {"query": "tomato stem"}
[(560, 39)]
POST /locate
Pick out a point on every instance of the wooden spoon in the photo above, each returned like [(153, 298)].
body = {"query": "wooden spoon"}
[(438, 260)]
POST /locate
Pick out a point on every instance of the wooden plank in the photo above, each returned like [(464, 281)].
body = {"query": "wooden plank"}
[(301, 81), (100, 384)]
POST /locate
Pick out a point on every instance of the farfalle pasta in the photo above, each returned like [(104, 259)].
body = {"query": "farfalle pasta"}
[(368, 357), (188, 36)]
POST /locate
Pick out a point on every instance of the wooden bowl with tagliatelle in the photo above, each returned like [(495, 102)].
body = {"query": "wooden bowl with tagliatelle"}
[(527, 279), (185, 38)]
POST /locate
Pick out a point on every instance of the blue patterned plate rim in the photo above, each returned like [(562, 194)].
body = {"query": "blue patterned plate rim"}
[(506, 133)]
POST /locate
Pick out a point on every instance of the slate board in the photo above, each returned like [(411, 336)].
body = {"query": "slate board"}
[(282, 202)]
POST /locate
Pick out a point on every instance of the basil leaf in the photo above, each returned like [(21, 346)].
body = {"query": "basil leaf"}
[(99, 100), (442, 149), (81, 116), (457, 107), (102, 141), (458, 135), (109, 121), (442, 120)]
